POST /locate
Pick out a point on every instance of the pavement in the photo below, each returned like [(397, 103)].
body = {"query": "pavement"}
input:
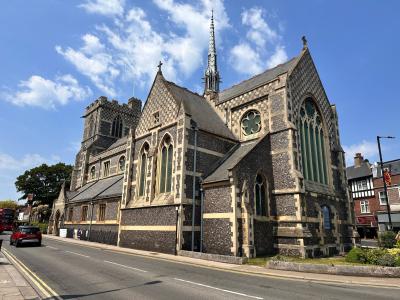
[(12, 284), (73, 269)]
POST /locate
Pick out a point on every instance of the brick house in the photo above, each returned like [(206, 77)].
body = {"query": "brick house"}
[(393, 193), (366, 206), (251, 170)]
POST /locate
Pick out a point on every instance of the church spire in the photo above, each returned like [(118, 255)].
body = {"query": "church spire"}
[(211, 77)]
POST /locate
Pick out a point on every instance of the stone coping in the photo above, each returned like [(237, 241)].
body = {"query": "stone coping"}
[(347, 270), (214, 257)]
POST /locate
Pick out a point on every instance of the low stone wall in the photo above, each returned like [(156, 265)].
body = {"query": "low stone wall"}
[(367, 271), (214, 257)]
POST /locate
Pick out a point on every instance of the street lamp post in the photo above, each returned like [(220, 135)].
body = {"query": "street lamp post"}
[(383, 178)]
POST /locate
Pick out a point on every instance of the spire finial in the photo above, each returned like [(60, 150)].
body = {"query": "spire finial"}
[(212, 78), (159, 66), (303, 38)]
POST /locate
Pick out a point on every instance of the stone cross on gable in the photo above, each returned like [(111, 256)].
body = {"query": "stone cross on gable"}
[(159, 66)]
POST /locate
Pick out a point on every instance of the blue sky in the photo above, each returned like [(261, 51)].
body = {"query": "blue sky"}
[(57, 56)]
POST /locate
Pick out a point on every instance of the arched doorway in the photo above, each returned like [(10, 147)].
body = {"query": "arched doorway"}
[(56, 223)]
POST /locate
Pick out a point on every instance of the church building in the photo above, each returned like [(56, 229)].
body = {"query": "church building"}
[(251, 170)]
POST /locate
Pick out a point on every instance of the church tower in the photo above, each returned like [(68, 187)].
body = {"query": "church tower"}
[(211, 75)]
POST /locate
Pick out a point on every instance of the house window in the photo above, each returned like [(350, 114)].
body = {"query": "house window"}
[(326, 215), (364, 204), (92, 172), (361, 185), (382, 198), (116, 129), (312, 143), (102, 212), (156, 118), (143, 169), (106, 170), (70, 214), (84, 213), (121, 163), (259, 190), (166, 166), (251, 123)]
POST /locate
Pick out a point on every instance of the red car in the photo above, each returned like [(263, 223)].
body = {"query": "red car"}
[(26, 235)]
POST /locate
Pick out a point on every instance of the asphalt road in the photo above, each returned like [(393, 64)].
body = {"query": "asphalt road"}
[(79, 272)]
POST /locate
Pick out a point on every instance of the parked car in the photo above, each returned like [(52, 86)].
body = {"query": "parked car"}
[(26, 235)]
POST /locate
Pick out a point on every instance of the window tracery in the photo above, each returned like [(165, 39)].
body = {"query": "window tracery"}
[(251, 123), (166, 166), (312, 143)]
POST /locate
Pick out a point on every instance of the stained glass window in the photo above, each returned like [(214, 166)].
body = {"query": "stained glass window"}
[(326, 214), (143, 169), (312, 143), (166, 166), (251, 123)]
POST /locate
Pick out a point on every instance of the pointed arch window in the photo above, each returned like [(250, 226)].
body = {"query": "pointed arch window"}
[(251, 123), (143, 169), (260, 199), (117, 125), (121, 164), (166, 165), (312, 143), (326, 215)]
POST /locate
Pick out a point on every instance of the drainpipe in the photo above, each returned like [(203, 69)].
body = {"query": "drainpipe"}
[(176, 229), (91, 219), (194, 127), (201, 218)]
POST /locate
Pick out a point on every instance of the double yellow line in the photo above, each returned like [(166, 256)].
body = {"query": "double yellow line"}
[(47, 291)]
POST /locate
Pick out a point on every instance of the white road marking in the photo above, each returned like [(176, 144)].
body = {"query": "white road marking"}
[(136, 269), (52, 247), (218, 289), (77, 254)]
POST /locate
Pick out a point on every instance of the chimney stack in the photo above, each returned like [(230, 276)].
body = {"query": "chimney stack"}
[(358, 160)]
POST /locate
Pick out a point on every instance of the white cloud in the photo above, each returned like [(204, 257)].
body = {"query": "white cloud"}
[(263, 47), (11, 167), (368, 149), (10, 163), (260, 32), (245, 60), (104, 7), (278, 57), (46, 93), (131, 47)]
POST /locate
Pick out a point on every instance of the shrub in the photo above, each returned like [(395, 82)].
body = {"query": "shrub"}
[(374, 255), (356, 255), (398, 244), (387, 260), (387, 239), (42, 226)]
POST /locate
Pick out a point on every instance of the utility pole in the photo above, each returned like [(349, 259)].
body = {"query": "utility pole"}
[(383, 178)]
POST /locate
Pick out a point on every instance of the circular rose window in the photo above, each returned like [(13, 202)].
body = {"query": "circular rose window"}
[(251, 123)]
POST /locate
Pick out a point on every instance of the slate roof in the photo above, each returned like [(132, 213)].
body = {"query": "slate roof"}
[(393, 166), (200, 110), (230, 160), (257, 80), (103, 188), (358, 172), (119, 142)]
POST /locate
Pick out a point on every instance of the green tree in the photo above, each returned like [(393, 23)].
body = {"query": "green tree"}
[(8, 204), (44, 182)]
